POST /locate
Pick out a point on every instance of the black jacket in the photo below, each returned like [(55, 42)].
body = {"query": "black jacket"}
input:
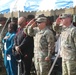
[(25, 43)]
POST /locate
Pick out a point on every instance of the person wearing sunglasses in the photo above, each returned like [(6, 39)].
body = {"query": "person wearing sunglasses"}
[(67, 44), (43, 44)]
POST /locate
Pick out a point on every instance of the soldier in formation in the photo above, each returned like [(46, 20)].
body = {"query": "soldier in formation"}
[(67, 34), (43, 44)]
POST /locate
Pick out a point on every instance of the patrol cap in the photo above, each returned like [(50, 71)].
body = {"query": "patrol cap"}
[(41, 19), (65, 15)]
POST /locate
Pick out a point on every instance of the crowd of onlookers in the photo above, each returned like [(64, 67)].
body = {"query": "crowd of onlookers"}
[(40, 39)]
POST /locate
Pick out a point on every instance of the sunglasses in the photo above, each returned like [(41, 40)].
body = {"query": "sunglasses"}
[(39, 22)]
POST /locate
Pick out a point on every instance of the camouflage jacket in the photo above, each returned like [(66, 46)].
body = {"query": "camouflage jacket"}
[(68, 42), (43, 41)]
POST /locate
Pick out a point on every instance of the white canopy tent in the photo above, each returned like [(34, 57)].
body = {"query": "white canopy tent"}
[(34, 5)]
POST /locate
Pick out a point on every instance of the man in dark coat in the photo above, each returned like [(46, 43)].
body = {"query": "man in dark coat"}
[(23, 44)]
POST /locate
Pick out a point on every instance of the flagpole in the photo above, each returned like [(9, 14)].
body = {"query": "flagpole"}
[(11, 16)]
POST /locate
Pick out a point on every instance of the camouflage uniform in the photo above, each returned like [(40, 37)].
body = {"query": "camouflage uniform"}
[(43, 47), (68, 50), (57, 29), (51, 28)]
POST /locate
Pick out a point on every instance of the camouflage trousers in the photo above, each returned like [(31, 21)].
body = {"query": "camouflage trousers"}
[(42, 67), (69, 67)]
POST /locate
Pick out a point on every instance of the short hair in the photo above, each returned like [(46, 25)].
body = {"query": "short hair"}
[(41, 15), (30, 17), (21, 20), (14, 26)]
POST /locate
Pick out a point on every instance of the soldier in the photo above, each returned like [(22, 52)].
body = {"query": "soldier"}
[(43, 44), (49, 25), (68, 44)]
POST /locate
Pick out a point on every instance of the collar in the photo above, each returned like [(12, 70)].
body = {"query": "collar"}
[(68, 26), (41, 31)]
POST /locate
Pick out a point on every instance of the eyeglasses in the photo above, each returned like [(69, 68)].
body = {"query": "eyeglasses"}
[(39, 22), (60, 18)]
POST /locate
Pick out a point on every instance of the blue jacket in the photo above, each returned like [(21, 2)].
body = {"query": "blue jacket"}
[(9, 44)]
